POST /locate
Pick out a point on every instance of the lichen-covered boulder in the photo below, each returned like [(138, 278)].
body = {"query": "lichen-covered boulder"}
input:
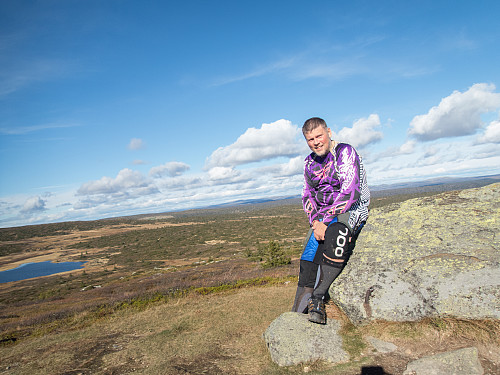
[(432, 256), (292, 339), (459, 362)]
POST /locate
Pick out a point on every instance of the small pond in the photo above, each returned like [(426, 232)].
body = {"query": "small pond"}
[(31, 270)]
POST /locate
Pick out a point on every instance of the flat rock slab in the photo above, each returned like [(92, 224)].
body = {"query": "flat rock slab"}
[(459, 362), (292, 339)]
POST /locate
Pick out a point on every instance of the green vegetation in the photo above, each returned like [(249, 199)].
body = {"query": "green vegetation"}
[(258, 281), (147, 263), (191, 240), (58, 229), (275, 256), (353, 340), (189, 292)]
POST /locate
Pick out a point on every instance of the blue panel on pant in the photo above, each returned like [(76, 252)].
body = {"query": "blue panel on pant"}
[(312, 246)]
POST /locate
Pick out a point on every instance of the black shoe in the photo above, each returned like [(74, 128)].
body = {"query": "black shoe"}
[(317, 312)]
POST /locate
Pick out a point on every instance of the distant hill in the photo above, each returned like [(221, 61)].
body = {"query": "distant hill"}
[(434, 185)]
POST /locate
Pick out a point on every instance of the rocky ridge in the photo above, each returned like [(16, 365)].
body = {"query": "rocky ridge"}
[(426, 257)]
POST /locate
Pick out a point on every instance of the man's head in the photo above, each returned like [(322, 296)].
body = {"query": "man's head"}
[(318, 135)]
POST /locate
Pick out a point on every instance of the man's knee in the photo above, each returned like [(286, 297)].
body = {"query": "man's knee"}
[(338, 245)]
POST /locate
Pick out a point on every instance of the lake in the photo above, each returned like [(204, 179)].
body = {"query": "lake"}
[(31, 270)]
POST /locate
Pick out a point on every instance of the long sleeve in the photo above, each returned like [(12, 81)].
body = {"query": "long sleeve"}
[(309, 196), (348, 171), (332, 184)]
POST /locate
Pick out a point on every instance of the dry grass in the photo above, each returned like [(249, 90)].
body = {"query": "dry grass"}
[(24, 318), (221, 333), (432, 335), (218, 333)]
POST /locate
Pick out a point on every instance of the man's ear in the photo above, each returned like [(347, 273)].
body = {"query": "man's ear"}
[(329, 133)]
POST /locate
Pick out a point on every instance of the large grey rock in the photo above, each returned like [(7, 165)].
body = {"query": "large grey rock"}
[(432, 256), (292, 339), (459, 362)]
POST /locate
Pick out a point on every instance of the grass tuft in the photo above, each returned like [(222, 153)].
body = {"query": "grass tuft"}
[(442, 328), (353, 342), (259, 281)]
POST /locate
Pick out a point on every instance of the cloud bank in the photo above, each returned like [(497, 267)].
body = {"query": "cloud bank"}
[(456, 115), (33, 205), (267, 161), (272, 140), (491, 134), (363, 132), (170, 169)]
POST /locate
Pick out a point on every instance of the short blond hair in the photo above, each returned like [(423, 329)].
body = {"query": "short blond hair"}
[(312, 124)]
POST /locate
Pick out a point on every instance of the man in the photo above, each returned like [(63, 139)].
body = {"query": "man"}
[(335, 197)]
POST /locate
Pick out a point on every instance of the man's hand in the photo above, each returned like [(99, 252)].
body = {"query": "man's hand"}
[(319, 230)]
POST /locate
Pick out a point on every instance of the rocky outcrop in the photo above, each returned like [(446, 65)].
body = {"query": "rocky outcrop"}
[(292, 339), (425, 257), (458, 362), (433, 256)]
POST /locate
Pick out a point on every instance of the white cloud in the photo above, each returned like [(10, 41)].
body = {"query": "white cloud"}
[(407, 148), (446, 158), (180, 182), (222, 174), (126, 179), (295, 166), (136, 144), (456, 115), (431, 151), (33, 204), (270, 141), (491, 134), (172, 169), (362, 132), (487, 151)]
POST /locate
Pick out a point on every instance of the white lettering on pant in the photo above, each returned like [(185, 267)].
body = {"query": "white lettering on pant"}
[(341, 240)]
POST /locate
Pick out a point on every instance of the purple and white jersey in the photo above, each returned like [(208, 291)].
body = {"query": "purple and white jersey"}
[(335, 184)]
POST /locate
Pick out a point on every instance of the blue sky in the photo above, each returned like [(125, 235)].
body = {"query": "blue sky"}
[(112, 108)]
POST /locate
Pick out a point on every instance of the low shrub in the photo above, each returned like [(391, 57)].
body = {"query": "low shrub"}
[(275, 256)]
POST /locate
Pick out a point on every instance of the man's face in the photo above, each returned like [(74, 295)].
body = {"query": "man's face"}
[(319, 140)]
